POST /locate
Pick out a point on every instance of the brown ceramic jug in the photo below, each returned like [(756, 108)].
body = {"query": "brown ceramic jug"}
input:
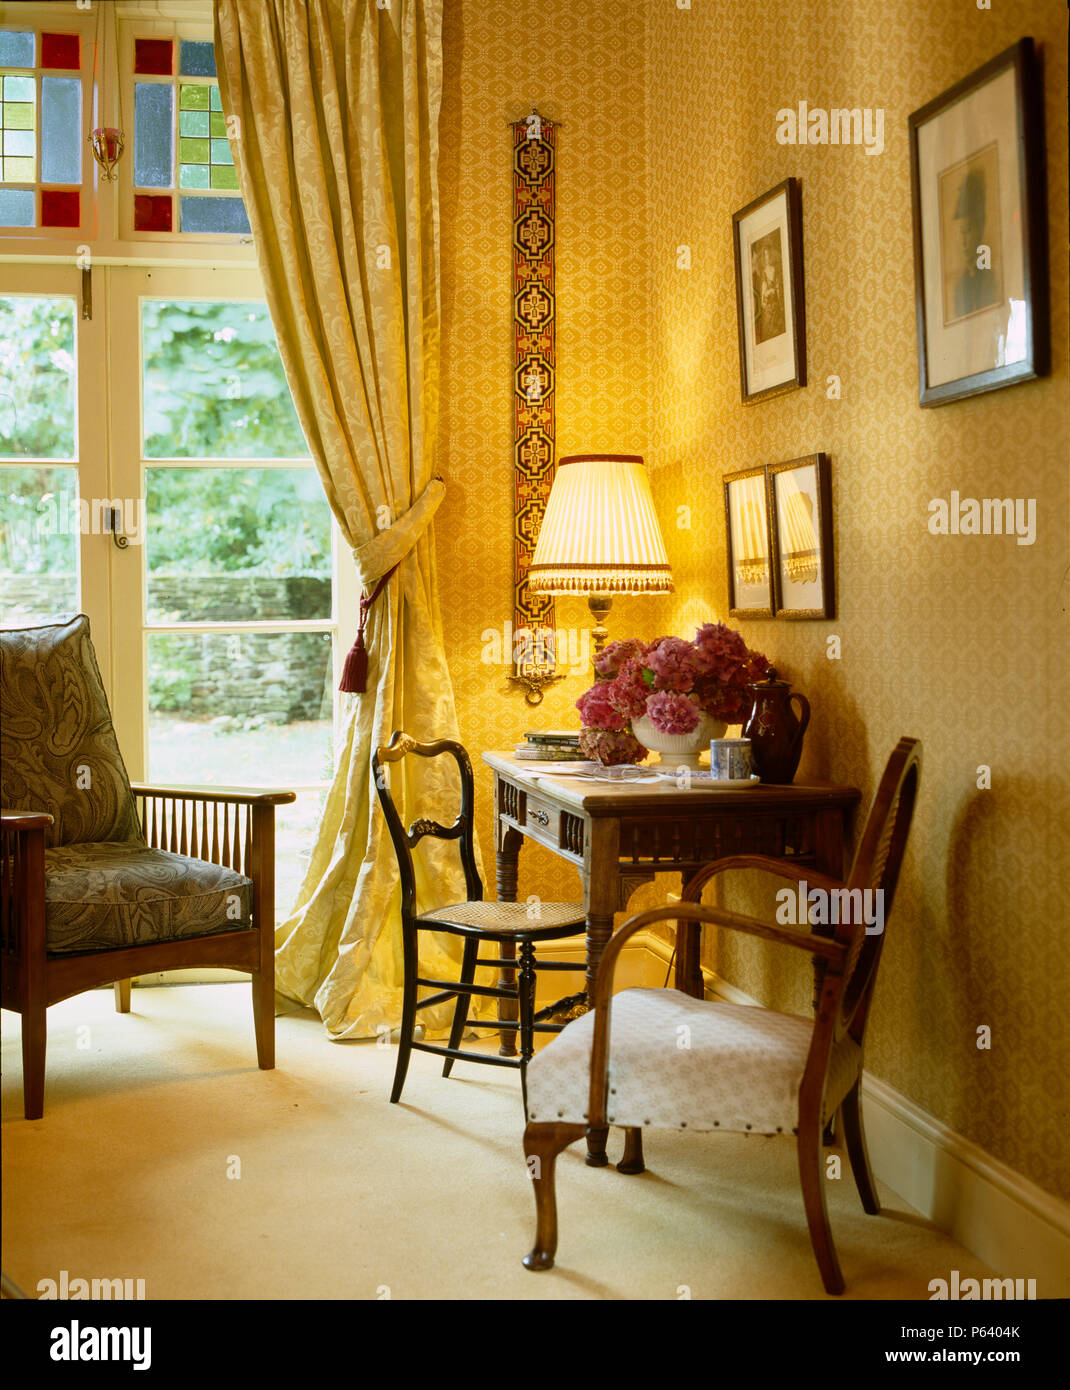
[(774, 729)]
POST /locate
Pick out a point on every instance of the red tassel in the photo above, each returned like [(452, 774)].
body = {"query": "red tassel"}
[(355, 668)]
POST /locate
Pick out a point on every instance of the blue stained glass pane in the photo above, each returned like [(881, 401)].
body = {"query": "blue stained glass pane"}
[(17, 208), (18, 142), (16, 51), (214, 215), (221, 152), (193, 176), (215, 100), (196, 59), (61, 130), (154, 156), (18, 89)]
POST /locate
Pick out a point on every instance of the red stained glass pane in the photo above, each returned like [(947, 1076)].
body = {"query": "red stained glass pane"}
[(152, 212), (60, 51), (154, 56), (60, 209)]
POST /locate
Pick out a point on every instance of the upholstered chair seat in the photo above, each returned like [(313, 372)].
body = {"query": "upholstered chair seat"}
[(681, 1063), (99, 897)]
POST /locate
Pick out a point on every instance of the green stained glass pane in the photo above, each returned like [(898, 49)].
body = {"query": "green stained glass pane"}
[(18, 115), (217, 101), (193, 151), (224, 176), (219, 124), (193, 176), (193, 123), (193, 97), (18, 170), (18, 142), (18, 89), (221, 152)]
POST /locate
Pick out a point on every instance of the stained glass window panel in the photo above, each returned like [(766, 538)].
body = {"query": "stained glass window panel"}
[(153, 135), (61, 207), (194, 124), (152, 212), (17, 207), (154, 56), (61, 51), (193, 176), (193, 96), (61, 130), (16, 49), (196, 59), (214, 215), (224, 176), (37, 375)]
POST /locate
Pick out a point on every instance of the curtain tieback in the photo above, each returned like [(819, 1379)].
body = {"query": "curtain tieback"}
[(355, 668), (394, 543)]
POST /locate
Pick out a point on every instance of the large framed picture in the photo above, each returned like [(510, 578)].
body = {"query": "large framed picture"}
[(800, 517), (750, 568), (980, 238), (767, 237)]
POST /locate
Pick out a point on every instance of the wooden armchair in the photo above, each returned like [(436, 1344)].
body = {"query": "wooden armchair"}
[(741, 1069), (102, 881)]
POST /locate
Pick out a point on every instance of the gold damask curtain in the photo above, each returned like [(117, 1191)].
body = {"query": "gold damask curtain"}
[(336, 146)]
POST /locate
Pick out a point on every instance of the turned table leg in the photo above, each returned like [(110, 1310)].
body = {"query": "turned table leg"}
[(507, 869)]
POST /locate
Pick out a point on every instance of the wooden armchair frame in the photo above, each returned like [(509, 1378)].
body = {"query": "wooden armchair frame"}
[(849, 960), (230, 826)]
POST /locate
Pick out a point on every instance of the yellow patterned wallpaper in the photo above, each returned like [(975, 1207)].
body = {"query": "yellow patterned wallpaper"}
[(668, 127)]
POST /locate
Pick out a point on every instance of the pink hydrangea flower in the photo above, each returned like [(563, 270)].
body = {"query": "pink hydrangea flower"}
[(595, 710), (672, 660), (611, 749), (672, 712), (611, 658), (628, 692)]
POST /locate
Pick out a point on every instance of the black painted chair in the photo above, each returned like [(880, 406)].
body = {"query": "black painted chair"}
[(508, 925)]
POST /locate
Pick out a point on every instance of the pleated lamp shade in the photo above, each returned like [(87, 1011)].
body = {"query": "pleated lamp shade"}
[(600, 533)]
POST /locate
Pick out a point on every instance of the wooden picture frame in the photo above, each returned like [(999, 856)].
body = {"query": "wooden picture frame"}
[(800, 522), (770, 308), (980, 231), (748, 545)]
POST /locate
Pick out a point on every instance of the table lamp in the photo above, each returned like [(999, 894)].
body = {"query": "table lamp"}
[(600, 535)]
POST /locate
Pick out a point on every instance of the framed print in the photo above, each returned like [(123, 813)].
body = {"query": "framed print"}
[(980, 237), (750, 570), (767, 237), (800, 515)]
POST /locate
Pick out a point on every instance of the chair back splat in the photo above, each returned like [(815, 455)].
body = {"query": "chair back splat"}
[(404, 841)]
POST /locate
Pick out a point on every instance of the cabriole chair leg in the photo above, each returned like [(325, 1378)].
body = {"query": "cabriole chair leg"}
[(812, 1177), (542, 1144)]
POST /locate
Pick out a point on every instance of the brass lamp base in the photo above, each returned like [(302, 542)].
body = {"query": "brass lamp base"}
[(599, 604)]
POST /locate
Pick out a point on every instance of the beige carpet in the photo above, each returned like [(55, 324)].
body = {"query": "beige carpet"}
[(342, 1195)]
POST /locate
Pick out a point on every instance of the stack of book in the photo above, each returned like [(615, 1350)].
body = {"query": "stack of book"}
[(551, 746)]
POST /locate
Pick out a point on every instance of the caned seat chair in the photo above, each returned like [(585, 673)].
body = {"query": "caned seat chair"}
[(661, 1058), (103, 881), (518, 926)]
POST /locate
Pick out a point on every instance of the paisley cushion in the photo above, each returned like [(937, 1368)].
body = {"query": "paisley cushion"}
[(104, 896), (58, 751), (681, 1063)]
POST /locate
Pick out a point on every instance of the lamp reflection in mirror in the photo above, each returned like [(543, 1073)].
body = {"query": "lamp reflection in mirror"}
[(600, 535)]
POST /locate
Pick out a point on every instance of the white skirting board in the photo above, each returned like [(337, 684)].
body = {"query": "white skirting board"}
[(1001, 1217)]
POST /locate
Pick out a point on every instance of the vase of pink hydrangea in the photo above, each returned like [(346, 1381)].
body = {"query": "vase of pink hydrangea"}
[(669, 696)]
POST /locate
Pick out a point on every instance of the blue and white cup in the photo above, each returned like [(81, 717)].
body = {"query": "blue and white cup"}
[(730, 759)]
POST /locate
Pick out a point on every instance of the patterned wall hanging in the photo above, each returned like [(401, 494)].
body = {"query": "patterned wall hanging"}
[(534, 385)]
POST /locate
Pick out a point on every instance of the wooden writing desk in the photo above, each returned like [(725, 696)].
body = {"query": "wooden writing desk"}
[(619, 836)]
